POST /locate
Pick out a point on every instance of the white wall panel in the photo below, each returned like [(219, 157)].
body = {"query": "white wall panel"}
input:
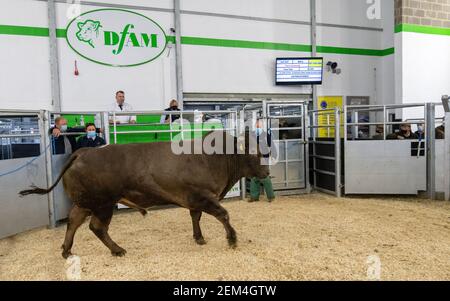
[(297, 10)]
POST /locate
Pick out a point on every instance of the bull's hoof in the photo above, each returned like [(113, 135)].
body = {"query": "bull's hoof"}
[(119, 252), (200, 241), (66, 254), (232, 243)]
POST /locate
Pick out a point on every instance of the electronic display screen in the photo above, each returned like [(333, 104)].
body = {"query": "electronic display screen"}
[(299, 71)]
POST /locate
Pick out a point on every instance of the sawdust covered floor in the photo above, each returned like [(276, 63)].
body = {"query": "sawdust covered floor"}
[(315, 237)]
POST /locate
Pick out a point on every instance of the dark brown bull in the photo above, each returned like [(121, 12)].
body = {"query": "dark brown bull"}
[(145, 175)]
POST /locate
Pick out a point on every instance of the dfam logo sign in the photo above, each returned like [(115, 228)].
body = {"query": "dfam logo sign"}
[(116, 37)]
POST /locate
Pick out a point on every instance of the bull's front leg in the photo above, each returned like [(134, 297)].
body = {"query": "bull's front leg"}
[(198, 237), (216, 210), (208, 201)]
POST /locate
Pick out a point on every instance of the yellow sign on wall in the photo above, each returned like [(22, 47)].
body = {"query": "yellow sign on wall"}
[(326, 118)]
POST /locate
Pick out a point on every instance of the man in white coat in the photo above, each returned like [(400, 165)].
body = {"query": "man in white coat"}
[(121, 106)]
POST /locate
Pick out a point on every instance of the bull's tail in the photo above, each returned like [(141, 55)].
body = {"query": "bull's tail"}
[(37, 190)]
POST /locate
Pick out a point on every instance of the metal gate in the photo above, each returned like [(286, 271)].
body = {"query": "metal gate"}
[(378, 164), (325, 150), (22, 164), (287, 122)]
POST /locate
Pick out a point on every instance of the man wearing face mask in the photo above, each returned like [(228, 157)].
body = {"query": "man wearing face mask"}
[(405, 132), (379, 132), (172, 107), (264, 141), (91, 139), (62, 144), (420, 131)]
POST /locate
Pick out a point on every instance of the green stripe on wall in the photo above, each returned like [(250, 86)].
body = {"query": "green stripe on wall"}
[(29, 31), (353, 51), (24, 31), (282, 46), (171, 39), (388, 51), (244, 44), (422, 29), (61, 33)]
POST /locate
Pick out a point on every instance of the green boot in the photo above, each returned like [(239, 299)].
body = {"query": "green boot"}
[(254, 189), (268, 188)]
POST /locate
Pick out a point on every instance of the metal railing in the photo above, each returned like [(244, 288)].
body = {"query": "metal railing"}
[(428, 118), (353, 111), (231, 118)]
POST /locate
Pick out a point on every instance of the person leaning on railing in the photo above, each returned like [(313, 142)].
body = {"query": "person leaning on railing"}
[(62, 144), (173, 106), (91, 139), (65, 144)]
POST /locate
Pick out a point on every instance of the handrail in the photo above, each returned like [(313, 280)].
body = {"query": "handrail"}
[(19, 135), (409, 105), (169, 112), (172, 131), (8, 111)]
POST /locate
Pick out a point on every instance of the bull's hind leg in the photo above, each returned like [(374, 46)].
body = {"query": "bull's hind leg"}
[(76, 218), (100, 224), (216, 210), (198, 237)]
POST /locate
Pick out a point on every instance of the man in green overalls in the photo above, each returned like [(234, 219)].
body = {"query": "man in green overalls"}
[(255, 183)]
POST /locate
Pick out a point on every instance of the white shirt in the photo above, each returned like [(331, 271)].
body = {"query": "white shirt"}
[(125, 108)]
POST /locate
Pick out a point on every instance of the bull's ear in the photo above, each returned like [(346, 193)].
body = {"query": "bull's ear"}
[(97, 25), (80, 25)]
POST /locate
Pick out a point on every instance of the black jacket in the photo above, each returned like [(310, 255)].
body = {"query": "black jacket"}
[(87, 142), (58, 146), (174, 116)]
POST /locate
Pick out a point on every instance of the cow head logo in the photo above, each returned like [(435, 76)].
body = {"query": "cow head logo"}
[(88, 32), (116, 37)]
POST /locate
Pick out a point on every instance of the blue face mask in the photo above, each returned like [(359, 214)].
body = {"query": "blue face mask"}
[(258, 131), (64, 128), (91, 134)]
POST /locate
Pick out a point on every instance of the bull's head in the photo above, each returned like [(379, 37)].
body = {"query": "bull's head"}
[(248, 146), (88, 31)]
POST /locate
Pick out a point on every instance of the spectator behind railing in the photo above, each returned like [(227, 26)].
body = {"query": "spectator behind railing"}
[(91, 139), (440, 131), (404, 133), (121, 106), (420, 131), (379, 132), (173, 106), (64, 144)]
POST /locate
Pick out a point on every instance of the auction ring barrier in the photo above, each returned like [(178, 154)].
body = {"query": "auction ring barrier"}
[(24, 165), (363, 158), (378, 163)]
